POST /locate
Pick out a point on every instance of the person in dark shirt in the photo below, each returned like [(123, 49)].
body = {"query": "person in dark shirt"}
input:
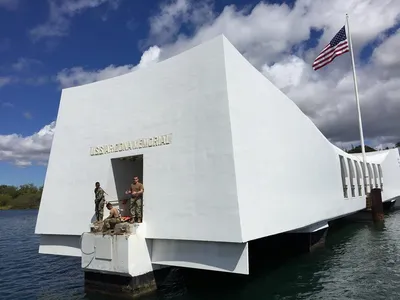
[(99, 201)]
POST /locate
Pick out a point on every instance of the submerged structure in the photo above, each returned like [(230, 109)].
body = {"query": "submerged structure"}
[(225, 158)]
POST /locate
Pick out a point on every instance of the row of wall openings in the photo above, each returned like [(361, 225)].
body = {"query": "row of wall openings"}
[(352, 173)]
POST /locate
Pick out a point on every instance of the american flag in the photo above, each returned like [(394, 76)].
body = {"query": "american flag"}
[(336, 47)]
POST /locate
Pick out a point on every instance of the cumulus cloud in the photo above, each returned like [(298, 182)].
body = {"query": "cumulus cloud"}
[(35, 149), (78, 76), (386, 58), (167, 23), (25, 151), (61, 13), (276, 39), (282, 55)]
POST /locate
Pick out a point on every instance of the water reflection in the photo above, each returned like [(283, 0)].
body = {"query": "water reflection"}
[(359, 261)]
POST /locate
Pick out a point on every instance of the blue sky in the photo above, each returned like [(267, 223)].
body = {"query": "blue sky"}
[(48, 45), (96, 38)]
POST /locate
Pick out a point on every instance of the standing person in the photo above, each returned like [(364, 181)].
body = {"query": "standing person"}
[(99, 201), (136, 206)]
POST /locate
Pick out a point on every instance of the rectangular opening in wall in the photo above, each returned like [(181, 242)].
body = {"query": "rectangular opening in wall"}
[(370, 176), (380, 176), (359, 179), (352, 177), (344, 174), (364, 179), (124, 169), (375, 175)]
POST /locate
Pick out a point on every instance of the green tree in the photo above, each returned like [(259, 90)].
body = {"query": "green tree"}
[(9, 190), (27, 189), (5, 200), (25, 201), (358, 149), (25, 196)]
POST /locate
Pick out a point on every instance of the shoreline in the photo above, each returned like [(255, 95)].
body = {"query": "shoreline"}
[(12, 208)]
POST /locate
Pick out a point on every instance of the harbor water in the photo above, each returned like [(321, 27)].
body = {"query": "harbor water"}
[(358, 261)]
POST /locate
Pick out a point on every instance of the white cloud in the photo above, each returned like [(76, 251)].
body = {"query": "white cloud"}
[(24, 151), (166, 24), (386, 57), (61, 12), (9, 4), (275, 39), (78, 76), (35, 149), (22, 163)]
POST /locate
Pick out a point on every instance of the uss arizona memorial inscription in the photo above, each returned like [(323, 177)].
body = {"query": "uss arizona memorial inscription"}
[(155, 141)]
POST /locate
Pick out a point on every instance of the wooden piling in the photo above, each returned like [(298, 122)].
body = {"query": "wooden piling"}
[(377, 205)]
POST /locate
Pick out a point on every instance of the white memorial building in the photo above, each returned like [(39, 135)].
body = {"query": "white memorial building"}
[(225, 158)]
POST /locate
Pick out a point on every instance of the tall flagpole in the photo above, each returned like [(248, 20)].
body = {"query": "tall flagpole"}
[(357, 101)]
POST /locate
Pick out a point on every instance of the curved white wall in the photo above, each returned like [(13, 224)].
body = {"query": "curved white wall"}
[(287, 172), (189, 184), (244, 161)]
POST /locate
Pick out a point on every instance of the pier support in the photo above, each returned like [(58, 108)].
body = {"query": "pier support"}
[(274, 249), (309, 241), (118, 263), (389, 205), (377, 205), (119, 285)]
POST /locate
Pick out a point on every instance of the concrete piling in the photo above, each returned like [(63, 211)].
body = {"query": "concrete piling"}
[(377, 205)]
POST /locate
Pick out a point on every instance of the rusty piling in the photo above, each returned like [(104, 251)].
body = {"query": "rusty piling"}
[(377, 205)]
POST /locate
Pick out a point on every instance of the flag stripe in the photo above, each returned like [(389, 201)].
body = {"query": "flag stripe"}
[(329, 50), (336, 47), (329, 58), (322, 65), (336, 53)]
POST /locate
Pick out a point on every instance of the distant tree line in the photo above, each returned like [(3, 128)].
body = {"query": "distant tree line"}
[(367, 148), (26, 196)]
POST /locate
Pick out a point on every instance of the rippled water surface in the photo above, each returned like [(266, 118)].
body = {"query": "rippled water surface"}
[(359, 261)]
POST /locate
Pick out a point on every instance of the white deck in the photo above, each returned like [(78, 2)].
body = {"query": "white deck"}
[(239, 160)]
